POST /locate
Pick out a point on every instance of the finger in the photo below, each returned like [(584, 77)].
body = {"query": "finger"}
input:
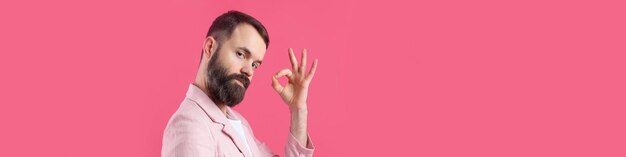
[(294, 62), (276, 84), (284, 72), (302, 67), (312, 71)]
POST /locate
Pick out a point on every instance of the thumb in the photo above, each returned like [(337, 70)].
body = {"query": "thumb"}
[(277, 87)]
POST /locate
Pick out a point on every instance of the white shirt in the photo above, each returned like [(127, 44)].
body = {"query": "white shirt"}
[(239, 129)]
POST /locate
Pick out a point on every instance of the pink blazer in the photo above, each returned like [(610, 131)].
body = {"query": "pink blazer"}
[(199, 128)]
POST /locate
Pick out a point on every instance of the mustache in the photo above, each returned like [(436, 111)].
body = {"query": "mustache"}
[(240, 77)]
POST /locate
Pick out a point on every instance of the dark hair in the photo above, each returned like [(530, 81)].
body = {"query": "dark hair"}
[(223, 26)]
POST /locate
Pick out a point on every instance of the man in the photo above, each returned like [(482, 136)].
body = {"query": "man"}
[(205, 124)]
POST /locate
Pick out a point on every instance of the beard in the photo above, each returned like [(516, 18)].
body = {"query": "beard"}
[(223, 87)]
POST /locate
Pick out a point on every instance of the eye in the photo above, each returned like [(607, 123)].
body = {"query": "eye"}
[(255, 65), (240, 54)]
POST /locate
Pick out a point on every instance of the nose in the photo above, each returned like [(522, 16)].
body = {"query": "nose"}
[(247, 70)]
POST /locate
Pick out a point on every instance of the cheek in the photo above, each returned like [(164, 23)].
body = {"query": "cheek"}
[(232, 64)]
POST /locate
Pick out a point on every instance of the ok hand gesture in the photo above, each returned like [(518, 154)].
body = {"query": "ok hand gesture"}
[(294, 93)]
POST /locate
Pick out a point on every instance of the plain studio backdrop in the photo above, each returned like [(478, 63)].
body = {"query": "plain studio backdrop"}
[(395, 78)]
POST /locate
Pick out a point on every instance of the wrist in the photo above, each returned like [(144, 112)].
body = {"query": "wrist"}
[(298, 126), (298, 109)]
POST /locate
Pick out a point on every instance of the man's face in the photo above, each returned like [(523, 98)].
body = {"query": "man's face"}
[(232, 66)]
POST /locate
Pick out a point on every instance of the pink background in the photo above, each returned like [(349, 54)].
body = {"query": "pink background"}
[(396, 78)]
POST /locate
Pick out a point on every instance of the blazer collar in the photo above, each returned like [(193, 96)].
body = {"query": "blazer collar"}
[(210, 108)]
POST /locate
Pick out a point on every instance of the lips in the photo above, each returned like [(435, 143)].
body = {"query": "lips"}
[(240, 81)]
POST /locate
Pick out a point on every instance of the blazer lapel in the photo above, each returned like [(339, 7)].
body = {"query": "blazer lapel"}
[(210, 108), (230, 131), (254, 149)]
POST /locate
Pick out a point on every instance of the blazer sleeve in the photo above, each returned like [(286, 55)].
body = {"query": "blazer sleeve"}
[(295, 149), (292, 148)]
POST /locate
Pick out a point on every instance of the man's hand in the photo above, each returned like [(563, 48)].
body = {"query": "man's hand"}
[(294, 93)]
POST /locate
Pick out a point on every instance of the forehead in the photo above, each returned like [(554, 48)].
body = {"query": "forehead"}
[(245, 35)]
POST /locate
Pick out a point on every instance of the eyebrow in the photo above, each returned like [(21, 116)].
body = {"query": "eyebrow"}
[(248, 53)]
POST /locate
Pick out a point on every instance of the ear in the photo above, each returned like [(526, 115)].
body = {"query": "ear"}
[(210, 46)]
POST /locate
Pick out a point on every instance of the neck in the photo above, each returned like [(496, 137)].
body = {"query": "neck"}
[(201, 83), (223, 108)]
